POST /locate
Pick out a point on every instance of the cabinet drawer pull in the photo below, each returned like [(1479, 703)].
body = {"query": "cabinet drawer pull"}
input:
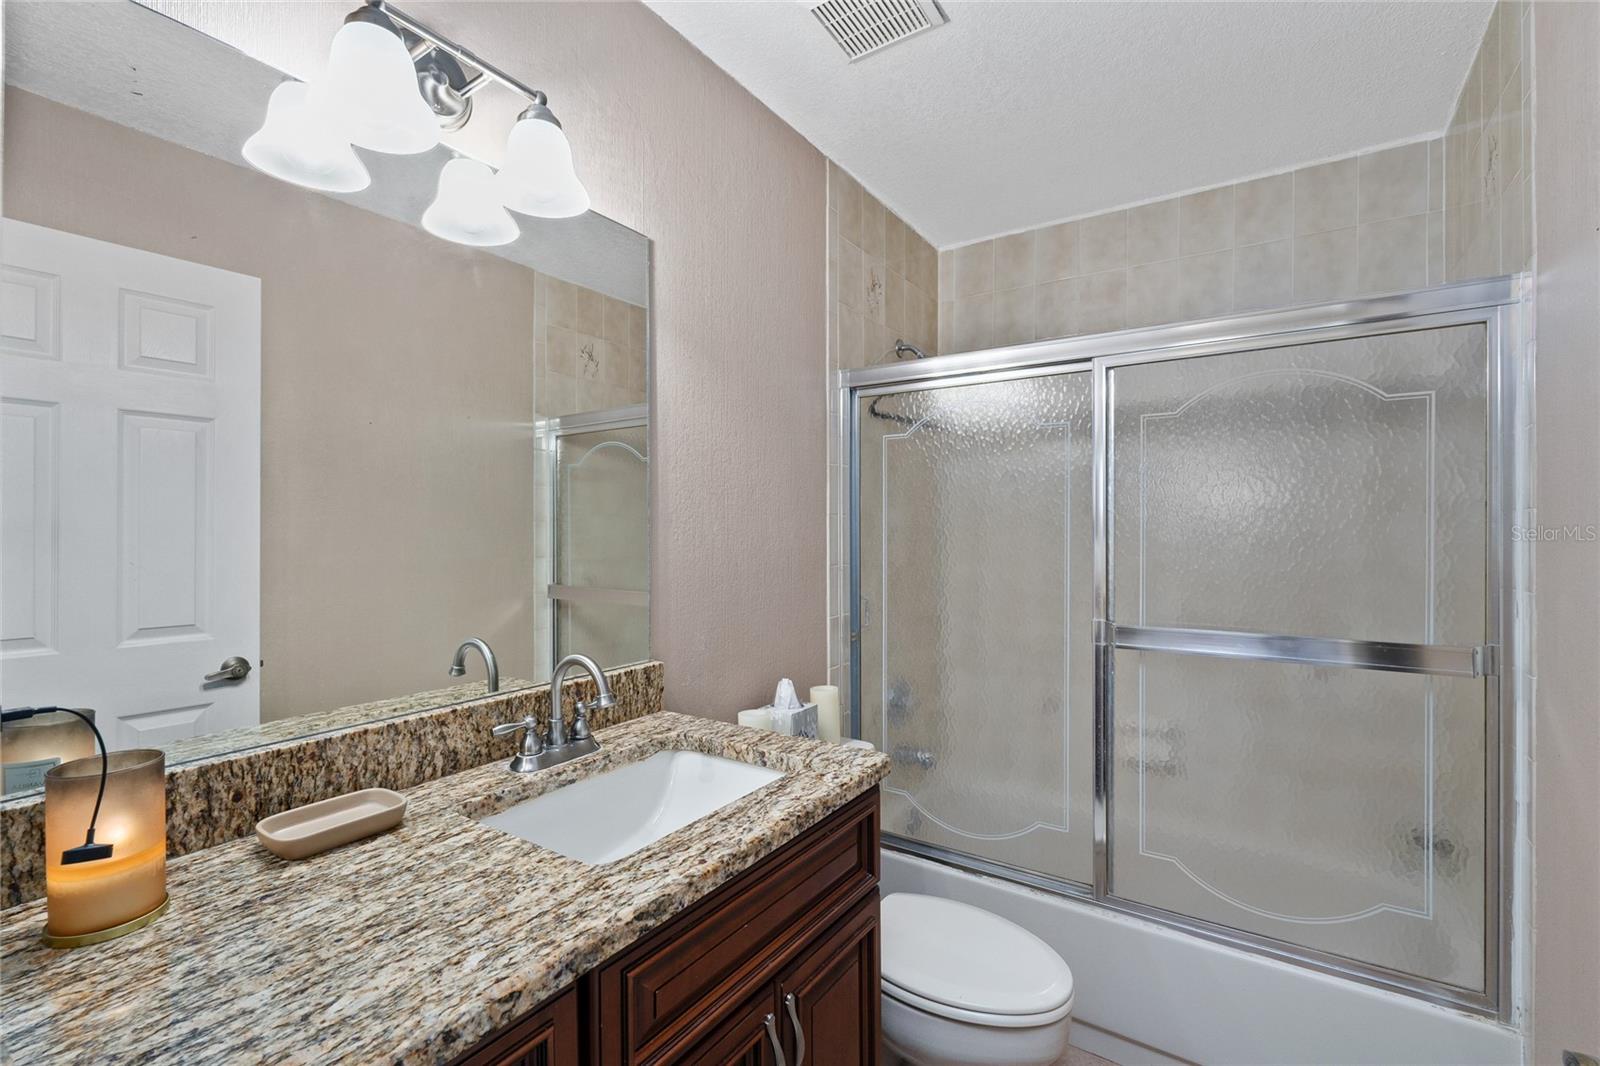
[(799, 1033), (772, 1035)]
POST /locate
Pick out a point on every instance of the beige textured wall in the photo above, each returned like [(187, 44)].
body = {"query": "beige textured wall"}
[(397, 456), (1566, 608), (733, 200)]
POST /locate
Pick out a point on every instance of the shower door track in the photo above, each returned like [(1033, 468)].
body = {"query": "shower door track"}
[(1496, 304)]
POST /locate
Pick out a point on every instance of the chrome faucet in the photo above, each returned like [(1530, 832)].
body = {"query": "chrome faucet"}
[(458, 665), (556, 746), (580, 724)]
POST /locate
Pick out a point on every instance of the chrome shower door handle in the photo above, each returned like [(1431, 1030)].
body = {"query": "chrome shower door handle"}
[(771, 1023), (792, 1004), (235, 668)]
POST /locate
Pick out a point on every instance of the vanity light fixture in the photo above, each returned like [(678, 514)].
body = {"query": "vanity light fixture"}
[(538, 177), (391, 85), (466, 209), (297, 145), (370, 91)]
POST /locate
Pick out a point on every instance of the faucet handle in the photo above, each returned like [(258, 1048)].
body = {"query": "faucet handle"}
[(580, 719), (532, 743)]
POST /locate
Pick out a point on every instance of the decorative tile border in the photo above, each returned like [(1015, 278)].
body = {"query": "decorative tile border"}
[(215, 800)]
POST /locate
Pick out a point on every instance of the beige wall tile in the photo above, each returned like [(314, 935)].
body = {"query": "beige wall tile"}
[(947, 275), (1056, 252), (1102, 301), (1393, 183), (591, 311), (874, 288), (1435, 247), (850, 207), (1205, 221), (972, 269), (1153, 232), (1205, 284), (851, 287), (1056, 308), (972, 322), (1325, 266), (894, 243), (922, 263), (616, 329), (945, 325), (1103, 242), (850, 340), (1263, 209), (1436, 174), (1263, 275), (1393, 254), (872, 225), (1153, 293), (1014, 313), (1013, 261), (896, 304), (1325, 197)]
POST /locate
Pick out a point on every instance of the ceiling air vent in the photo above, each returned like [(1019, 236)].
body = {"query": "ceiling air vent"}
[(862, 27)]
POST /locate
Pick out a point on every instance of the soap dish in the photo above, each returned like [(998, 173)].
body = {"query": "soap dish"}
[(316, 827)]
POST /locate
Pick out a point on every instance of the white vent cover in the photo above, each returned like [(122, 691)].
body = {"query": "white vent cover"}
[(862, 27)]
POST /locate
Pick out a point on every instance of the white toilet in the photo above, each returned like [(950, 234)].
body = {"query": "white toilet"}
[(963, 987)]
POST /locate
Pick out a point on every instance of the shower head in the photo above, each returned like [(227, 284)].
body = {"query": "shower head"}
[(903, 348)]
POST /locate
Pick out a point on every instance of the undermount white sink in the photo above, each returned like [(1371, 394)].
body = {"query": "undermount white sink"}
[(609, 816)]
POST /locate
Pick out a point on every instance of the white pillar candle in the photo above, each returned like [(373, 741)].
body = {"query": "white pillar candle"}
[(826, 697), (760, 718)]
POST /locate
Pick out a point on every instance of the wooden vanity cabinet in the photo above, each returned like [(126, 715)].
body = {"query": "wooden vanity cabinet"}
[(793, 939)]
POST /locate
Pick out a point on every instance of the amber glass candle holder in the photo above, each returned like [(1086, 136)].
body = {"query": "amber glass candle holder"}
[(97, 900)]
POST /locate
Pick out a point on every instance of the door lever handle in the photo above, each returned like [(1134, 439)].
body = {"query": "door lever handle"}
[(235, 668)]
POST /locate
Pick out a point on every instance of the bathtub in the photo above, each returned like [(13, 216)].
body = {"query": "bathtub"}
[(1148, 994)]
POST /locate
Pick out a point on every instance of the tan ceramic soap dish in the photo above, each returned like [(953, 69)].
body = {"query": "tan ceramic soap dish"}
[(316, 827)]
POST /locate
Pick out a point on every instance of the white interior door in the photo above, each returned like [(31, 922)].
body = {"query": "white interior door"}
[(131, 498)]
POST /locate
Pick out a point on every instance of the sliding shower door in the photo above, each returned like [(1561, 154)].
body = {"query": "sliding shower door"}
[(975, 610), (1207, 624), (1298, 540)]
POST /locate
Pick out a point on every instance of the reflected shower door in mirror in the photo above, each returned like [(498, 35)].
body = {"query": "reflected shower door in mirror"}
[(599, 555), (976, 599), (1333, 494), (289, 430)]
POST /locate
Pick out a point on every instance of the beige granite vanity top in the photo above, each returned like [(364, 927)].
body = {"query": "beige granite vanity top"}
[(407, 947)]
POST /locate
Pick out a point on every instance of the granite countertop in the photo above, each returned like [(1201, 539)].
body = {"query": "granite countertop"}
[(410, 946)]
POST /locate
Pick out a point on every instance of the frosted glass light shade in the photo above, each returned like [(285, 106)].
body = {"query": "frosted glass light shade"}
[(296, 144), (369, 92), (538, 178), (466, 208)]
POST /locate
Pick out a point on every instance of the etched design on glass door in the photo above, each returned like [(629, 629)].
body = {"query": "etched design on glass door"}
[(1278, 404)]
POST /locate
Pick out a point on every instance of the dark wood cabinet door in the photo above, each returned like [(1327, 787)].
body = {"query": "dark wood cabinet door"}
[(829, 998), (546, 1037), (742, 1037)]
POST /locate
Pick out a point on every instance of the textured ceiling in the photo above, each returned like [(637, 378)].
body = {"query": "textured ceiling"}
[(1018, 114), (150, 72)]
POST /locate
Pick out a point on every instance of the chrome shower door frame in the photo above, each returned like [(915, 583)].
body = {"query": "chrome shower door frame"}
[(1496, 304)]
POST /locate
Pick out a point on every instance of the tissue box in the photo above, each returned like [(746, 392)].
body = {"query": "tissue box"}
[(800, 722)]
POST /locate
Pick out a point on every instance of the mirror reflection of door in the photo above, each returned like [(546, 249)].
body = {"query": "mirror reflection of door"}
[(131, 493)]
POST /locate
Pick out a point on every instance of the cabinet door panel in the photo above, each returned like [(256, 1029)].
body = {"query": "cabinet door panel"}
[(741, 1039), (546, 1037), (833, 993)]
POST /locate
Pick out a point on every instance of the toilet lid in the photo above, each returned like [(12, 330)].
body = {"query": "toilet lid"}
[(964, 957)]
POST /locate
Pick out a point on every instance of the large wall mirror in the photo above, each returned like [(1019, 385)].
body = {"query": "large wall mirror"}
[(271, 454)]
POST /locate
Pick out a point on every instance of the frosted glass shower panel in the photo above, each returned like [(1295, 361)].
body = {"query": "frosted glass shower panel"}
[(1331, 490), (975, 609), (603, 509), (1338, 809)]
